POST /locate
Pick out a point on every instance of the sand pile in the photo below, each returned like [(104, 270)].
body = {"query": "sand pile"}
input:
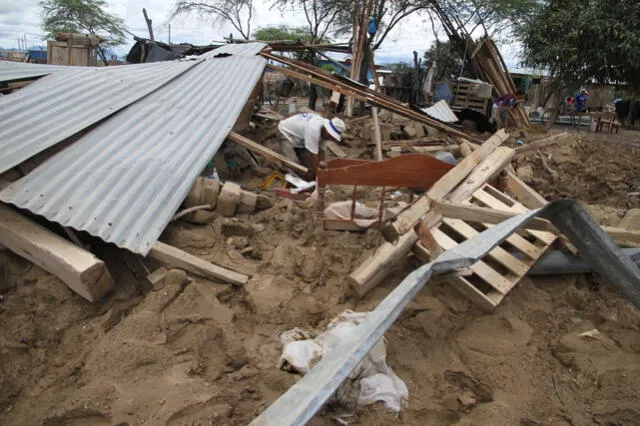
[(191, 351)]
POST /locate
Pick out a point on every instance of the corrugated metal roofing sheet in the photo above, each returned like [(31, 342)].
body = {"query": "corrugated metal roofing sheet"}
[(123, 181), (441, 111), (10, 70), (57, 106), (244, 49)]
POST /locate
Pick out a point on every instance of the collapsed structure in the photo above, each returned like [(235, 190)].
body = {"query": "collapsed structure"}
[(127, 145)]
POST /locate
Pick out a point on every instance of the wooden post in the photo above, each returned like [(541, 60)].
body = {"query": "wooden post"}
[(376, 133), (374, 110), (79, 269), (149, 22), (190, 263), (268, 154)]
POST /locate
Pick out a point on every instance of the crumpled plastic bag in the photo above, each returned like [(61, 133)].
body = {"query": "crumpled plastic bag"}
[(371, 381)]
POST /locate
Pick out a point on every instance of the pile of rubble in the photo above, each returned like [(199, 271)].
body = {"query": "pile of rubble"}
[(240, 260)]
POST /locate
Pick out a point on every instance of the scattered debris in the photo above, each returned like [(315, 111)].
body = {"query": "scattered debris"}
[(371, 381)]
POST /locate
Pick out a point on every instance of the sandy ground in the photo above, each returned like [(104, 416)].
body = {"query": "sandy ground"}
[(195, 352)]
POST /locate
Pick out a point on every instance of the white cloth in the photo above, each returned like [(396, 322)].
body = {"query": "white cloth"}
[(372, 380), (303, 131), (364, 216)]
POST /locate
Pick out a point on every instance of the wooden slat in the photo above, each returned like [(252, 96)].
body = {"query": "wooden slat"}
[(335, 148), (492, 165), (268, 154), (476, 214), (414, 214), (486, 302), (499, 254), (523, 192), (181, 259), (484, 271), (498, 204), (515, 239)]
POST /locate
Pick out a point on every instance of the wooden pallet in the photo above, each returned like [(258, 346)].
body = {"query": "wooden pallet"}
[(496, 274), (463, 98)]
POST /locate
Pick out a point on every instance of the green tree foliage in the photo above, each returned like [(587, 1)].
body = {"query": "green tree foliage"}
[(496, 17), (445, 56), (238, 13), (585, 40), (282, 33), (82, 16), (403, 74)]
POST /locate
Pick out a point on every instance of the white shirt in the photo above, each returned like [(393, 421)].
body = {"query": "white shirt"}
[(303, 131)]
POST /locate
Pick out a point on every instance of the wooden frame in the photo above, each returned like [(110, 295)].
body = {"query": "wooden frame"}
[(406, 171), (496, 274), (464, 99)]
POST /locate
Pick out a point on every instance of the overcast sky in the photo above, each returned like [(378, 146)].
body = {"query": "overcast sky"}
[(20, 18)]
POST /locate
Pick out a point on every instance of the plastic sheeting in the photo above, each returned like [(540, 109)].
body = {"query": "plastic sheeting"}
[(371, 381)]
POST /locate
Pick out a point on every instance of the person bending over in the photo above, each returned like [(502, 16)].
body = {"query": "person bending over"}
[(305, 139)]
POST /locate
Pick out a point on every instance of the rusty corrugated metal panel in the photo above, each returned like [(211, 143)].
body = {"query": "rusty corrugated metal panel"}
[(58, 106), (123, 181)]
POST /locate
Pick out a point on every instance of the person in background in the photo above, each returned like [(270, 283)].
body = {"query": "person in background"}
[(581, 100), (305, 139), (504, 103)]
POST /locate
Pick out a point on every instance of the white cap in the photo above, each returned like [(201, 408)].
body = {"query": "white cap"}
[(335, 127)]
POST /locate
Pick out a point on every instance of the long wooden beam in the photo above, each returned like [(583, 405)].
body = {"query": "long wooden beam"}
[(79, 269), (181, 259), (360, 92), (486, 215), (268, 154), (542, 143), (620, 236)]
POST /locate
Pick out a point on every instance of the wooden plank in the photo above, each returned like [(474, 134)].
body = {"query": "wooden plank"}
[(317, 76), (541, 143), (623, 237), (377, 266), (523, 192), (413, 170), (79, 269), (492, 165), (491, 199), (406, 220), (487, 215), (335, 148), (486, 302), (481, 269), (342, 225), (181, 259), (516, 240), (499, 254), (268, 154)]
